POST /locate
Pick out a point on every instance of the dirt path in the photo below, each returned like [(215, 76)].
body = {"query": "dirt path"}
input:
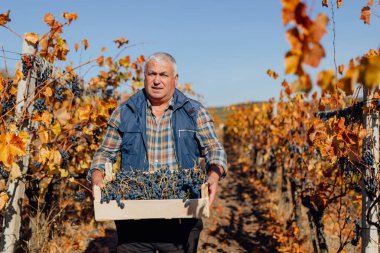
[(238, 223)]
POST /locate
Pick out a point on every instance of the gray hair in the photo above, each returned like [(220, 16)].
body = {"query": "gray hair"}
[(162, 56)]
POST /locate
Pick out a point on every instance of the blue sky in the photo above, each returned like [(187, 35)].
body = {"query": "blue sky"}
[(222, 47)]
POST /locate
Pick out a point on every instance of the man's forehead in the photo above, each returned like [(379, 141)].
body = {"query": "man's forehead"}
[(159, 65)]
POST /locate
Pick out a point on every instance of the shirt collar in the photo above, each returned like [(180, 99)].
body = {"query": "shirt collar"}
[(170, 105)]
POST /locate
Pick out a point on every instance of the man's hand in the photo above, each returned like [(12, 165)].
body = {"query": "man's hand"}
[(97, 179), (213, 179)]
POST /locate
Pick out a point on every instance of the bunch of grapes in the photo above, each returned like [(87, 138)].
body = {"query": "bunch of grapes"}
[(8, 104), (80, 196), (65, 157), (27, 64), (3, 173), (74, 85), (161, 184), (40, 105), (58, 94)]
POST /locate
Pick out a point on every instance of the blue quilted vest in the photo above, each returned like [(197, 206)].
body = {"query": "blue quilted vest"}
[(133, 131)]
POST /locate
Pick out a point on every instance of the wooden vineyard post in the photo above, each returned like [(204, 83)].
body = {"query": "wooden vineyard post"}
[(16, 189), (370, 236)]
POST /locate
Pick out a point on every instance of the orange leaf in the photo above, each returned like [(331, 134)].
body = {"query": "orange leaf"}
[(339, 3), (100, 60), (84, 113), (76, 47), (31, 37), (70, 16), (294, 38), (11, 146), (370, 2), (325, 3), (85, 43), (103, 49), (125, 61), (327, 81), (314, 54), (292, 62), (4, 18), (288, 8), (3, 200), (272, 74), (366, 15), (62, 116), (121, 41), (318, 29), (49, 19), (341, 69)]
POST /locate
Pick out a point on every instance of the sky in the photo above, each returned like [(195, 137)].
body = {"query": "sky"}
[(222, 47)]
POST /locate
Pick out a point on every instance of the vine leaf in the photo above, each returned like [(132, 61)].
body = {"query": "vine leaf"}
[(15, 171), (4, 18), (3, 200), (31, 37), (366, 15)]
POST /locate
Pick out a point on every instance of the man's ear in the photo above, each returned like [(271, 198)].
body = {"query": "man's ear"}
[(176, 80)]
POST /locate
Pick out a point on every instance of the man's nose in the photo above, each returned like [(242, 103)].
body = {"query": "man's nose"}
[(157, 79)]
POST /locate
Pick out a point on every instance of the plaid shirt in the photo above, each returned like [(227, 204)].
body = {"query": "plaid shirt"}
[(160, 142)]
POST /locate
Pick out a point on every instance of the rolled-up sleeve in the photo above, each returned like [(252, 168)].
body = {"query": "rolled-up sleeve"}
[(213, 149), (108, 150)]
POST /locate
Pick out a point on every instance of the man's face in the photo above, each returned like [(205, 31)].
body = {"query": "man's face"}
[(160, 80)]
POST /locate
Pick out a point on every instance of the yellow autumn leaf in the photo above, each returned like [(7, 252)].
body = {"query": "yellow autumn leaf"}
[(125, 62), (12, 128), (43, 135), (64, 173), (327, 81), (87, 131), (56, 128), (49, 19), (62, 116), (48, 92), (43, 155), (31, 37), (15, 171), (17, 77), (370, 71), (11, 146), (292, 62), (84, 113), (46, 118), (57, 158), (3, 200), (45, 183)]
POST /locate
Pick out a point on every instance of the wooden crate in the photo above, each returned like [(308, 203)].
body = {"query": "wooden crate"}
[(152, 209)]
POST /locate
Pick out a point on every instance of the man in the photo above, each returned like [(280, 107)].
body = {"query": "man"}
[(159, 127)]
